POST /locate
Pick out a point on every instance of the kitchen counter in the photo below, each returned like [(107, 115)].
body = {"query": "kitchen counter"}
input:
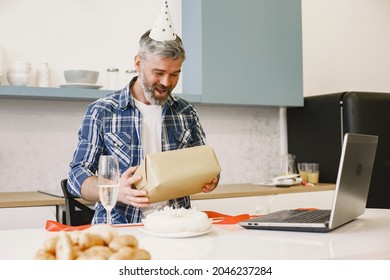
[(31, 199), (365, 238), (228, 199), (28, 199), (243, 190)]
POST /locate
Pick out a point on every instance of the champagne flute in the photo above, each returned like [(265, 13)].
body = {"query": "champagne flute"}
[(108, 182)]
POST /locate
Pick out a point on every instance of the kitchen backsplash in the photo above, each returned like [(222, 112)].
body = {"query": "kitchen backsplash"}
[(38, 137)]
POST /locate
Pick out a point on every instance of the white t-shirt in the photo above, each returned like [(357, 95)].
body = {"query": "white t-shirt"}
[(151, 127), (151, 139)]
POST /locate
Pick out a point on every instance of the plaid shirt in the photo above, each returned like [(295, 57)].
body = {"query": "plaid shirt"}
[(112, 125)]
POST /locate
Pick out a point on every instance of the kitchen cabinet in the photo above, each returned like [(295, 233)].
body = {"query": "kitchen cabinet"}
[(35, 217), (260, 205), (253, 199), (245, 52), (34, 208), (253, 205), (26, 217), (320, 200)]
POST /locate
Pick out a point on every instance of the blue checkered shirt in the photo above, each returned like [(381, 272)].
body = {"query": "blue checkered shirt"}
[(112, 125)]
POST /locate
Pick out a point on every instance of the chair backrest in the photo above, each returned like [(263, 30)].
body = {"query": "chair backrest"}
[(76, 213)]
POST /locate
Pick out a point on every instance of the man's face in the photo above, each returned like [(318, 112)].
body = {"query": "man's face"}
[(158, 77)]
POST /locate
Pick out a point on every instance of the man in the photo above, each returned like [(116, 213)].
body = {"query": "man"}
[(142, 118)]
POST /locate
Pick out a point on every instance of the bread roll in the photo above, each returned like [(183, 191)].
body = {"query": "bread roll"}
[(99, 242)]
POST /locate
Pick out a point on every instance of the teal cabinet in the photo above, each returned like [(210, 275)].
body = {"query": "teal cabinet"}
[(243, 52)]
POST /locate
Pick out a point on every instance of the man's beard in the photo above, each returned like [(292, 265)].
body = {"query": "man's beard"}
[(149, 91)]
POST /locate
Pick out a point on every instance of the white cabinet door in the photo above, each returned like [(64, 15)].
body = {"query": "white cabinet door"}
[(320, 199), (26, 217), (252, 205), (255, 205)]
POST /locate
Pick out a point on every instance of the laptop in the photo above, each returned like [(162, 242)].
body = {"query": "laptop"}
[(350, 198)]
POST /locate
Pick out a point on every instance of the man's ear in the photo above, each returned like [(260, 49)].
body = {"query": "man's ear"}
[(137, 63)]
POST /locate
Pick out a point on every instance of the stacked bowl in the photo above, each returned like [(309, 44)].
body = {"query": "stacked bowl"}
[(19, 73)]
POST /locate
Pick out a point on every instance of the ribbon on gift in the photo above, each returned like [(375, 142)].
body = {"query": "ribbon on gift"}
[(56, 226), (219, 218)]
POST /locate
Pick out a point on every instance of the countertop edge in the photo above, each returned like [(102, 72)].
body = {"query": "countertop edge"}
[(245, 190), (31, 199)]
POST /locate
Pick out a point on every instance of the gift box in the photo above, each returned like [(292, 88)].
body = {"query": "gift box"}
[(173, 174)]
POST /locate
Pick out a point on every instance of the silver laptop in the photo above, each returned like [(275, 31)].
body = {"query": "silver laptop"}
[(350, 198)]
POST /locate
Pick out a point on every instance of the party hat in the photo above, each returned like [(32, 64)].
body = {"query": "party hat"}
[(163, 27)]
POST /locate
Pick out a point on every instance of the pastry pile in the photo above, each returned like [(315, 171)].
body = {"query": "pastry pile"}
[(99, 242)]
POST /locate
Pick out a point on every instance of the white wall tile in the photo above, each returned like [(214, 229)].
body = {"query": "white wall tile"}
[(38, 138)]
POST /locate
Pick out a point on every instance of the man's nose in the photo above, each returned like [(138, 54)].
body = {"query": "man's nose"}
[(165, 80)]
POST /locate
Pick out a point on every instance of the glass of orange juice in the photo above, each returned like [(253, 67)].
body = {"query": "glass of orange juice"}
[(313, 173), (302, 169)]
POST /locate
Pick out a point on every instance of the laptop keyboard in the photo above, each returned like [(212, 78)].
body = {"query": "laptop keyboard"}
[(310, 216)]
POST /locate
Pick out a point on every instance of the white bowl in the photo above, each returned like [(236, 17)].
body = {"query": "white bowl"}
[(18, 79), (19, 67), (81, 76)]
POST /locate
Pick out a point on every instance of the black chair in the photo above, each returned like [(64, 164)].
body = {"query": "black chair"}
[(76, 213)]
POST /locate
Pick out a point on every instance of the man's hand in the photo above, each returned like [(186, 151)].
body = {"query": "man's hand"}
[(210, 186), (130, 195)]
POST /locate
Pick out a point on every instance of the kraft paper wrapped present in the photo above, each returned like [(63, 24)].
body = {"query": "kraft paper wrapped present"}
[(178, 173)]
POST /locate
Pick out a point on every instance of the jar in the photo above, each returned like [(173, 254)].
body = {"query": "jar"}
[(112, 78), (126, 77), (2, 62), (43, 75), (129, 74)]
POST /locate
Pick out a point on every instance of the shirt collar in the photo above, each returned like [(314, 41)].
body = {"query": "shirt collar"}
[(125, 97)]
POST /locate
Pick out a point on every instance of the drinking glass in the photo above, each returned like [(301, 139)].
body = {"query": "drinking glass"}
[(313, 173), (288, 164), (302, 169), (108, 182)]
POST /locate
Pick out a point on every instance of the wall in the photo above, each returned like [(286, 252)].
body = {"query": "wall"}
[(38, 138), (345, 47), (73, 34)]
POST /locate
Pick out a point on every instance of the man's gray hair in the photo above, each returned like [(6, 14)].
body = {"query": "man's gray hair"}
[(172, 49)]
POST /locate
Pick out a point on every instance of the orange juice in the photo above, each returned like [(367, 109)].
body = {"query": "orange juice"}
[(313, 177), (303, 175)]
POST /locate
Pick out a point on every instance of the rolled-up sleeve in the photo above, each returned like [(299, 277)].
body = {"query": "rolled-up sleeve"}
[(90, 145)]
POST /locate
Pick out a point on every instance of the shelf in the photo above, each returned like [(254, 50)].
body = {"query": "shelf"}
[(67, 93), (51, 93)]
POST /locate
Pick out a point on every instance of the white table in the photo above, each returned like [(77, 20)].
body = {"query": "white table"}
[(368, 237)]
